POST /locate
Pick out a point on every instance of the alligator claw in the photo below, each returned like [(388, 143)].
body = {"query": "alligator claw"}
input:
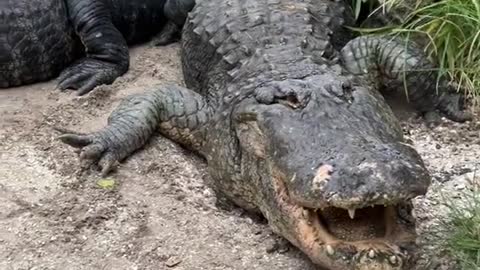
[(73, 138), (107, 163), (452, 105), (95, 147), (92, 151), (77, 141), (87, 73)]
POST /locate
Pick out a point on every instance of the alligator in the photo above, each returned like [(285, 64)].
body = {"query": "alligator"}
[(286, 131), (87, 39)]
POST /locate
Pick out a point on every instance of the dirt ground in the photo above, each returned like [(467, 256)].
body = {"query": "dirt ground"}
[(159, 215)]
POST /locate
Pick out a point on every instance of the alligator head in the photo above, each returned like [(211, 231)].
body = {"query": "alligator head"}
[(331, 170)]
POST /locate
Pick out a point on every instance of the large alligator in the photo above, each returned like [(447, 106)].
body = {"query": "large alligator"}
[(284, 130), (40, 38)]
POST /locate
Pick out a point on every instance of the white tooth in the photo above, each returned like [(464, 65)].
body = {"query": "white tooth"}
[(330, 250), (351, 213), (371, 254), (393, 259)]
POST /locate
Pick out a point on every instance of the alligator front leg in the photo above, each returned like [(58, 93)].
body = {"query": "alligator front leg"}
[(106, 49), (178, 113), (398, 65), (169, 34)]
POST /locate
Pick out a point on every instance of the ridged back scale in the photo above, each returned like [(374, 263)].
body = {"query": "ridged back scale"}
[(251, 42)]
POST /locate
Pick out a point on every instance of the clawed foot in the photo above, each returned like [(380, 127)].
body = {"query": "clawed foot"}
[(95, 147), (87, 73), (432, 119), (453, 106)]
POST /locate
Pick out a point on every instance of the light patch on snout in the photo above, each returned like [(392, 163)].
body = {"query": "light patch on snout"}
[(322, 176)]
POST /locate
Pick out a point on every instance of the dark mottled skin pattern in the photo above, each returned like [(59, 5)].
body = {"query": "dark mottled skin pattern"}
[(33, 28), (269, 107), (40, 38)]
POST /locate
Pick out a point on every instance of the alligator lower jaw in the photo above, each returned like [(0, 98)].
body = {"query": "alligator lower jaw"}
[(332, 239)]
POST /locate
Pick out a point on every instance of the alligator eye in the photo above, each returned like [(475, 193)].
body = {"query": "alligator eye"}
[(291, 94), (344, 92), (348, 91), (290, 100)]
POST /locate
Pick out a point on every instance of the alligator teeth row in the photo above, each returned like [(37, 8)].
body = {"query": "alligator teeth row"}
[(392, 259), (351, 211)]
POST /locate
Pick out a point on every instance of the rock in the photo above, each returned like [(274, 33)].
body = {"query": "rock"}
[(173, 261)]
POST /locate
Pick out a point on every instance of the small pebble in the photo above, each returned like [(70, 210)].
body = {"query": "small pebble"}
[(173, 261), (272, 247)]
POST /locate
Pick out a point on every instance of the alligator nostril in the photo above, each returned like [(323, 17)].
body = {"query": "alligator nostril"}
[(292, 100)]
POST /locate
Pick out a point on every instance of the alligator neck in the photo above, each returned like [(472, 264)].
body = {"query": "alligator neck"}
[(281, 41), (281, 63)]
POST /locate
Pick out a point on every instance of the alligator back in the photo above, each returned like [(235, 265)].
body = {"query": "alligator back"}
[(239, 39), (36, 40)]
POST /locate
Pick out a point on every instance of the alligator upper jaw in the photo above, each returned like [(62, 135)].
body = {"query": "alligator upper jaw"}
[(373, 239)]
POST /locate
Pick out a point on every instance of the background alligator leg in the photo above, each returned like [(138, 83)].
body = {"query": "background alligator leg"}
[(107, 50), (178, 112), (176, 11), (169, 34), (401, 65)]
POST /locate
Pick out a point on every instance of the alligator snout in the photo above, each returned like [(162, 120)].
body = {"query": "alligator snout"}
[(339, 167), (350, 206), (371, 178)]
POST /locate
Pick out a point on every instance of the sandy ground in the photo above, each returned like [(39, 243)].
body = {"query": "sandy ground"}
[(160, 215)]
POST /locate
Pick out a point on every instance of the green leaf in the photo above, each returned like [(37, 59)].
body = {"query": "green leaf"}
[(106, 183)]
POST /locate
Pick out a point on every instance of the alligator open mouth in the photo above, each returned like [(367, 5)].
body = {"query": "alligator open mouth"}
[(367, 238), (361, 224)]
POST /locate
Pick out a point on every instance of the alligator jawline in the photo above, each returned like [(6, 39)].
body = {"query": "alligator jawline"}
[(324, 231)]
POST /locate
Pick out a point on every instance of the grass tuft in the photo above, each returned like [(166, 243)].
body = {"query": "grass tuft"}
[(451, 30), (463, 240)]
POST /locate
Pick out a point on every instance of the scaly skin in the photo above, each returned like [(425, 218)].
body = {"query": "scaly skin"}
[(283, 131), (179, 112), (38, 39), (50, 38), (399, 67)]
